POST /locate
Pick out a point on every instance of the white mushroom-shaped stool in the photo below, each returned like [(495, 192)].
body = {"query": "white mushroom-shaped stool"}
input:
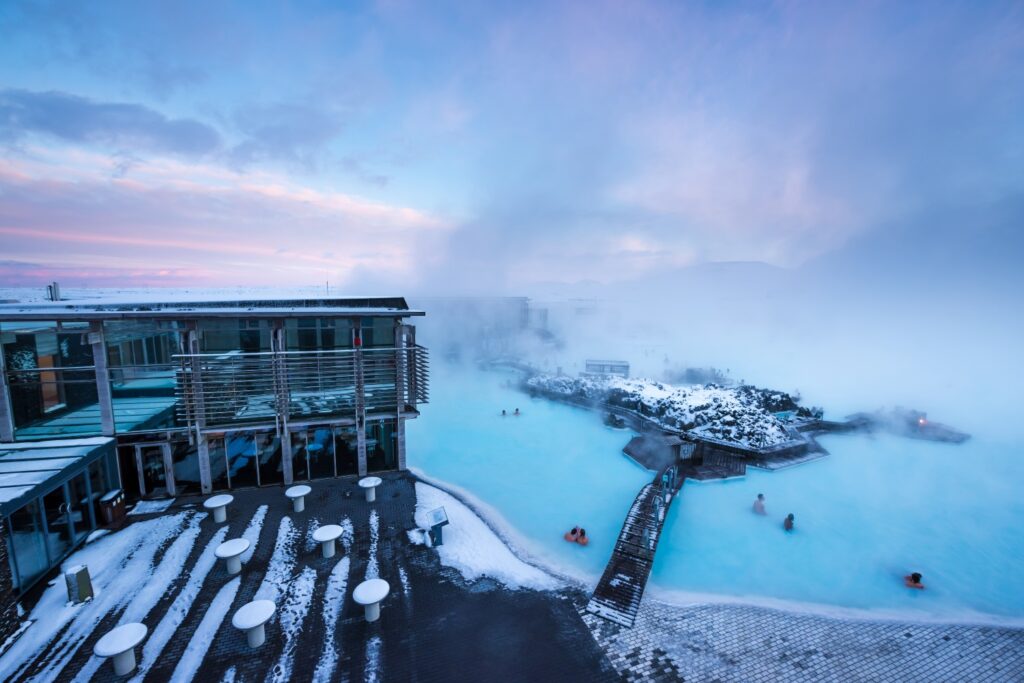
[(369, 594), (251, 617), (370, 485), (326, 536), (219, 506), (298, 495), (232, 552), (120, 643)]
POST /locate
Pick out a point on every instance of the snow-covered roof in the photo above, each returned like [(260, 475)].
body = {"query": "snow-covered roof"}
[(28, 467), (115, 309)]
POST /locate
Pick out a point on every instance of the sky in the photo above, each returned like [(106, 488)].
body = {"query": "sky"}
[(506, 147)]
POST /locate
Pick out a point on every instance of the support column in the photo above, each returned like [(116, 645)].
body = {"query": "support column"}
[(6, 407), (103, 393), (400, 389), (360, 402), (191, 343), (282, 399), (400, 442)]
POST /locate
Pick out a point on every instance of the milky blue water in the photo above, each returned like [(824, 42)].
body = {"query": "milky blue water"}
[(875, 509)]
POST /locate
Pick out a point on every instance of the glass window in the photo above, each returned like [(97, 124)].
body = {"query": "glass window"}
[(218, 464), (28, 542), (99, 486), (142, 373), (380, 445), (242, 456), (346, 451), (154, 474), (270, 458), (185, 457), (225, 336), (300, 464), (59, 536), (378, 332), (81, 505), (320, 450)]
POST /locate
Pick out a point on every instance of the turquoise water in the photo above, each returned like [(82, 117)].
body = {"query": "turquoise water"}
[(874, 510), (545, 471)]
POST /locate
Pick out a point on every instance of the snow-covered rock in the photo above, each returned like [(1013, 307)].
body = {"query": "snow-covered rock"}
[(743, 415)]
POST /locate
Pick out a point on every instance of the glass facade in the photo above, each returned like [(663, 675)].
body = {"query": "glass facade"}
[(142, 372), (235, 394), (47, 525), (51, 378)]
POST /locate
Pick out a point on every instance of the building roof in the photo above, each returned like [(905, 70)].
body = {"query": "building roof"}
[(27, 468), (265, 308)]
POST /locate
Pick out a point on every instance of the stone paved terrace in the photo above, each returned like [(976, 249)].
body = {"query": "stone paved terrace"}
[(711, 643), (434, 626)]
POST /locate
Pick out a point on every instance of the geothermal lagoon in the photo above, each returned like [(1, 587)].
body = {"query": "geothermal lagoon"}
[(878, 507)]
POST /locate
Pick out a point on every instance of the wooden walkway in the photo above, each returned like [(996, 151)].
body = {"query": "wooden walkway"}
[(621, 588)]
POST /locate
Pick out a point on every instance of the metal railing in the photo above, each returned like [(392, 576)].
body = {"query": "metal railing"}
[(219, 390)]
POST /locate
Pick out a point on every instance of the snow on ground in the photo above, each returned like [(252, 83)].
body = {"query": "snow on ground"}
[(371, 672), (252, 532), (147, 507), (229, 676), (404, 578), (96, 534), (208, 628), (471, 547), (741, 415), (334, 599), (145, 599), (348, 533), (175, 615), (372, 569), (291, 616), (282, 563), (119, 564)]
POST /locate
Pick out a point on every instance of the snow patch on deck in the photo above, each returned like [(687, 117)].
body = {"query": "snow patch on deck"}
[(334, 599), (252, 532), (292, 615), (372, 568), (208, 628), (148, 507), (471, 547)]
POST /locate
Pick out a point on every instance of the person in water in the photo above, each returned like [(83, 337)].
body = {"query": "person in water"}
[(583, 540), (759, 505), (503, 413), (789, 523), (517, 412), (572, 535), (913, 581)]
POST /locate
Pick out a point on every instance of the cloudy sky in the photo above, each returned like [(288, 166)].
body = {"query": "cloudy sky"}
[(493, 146)]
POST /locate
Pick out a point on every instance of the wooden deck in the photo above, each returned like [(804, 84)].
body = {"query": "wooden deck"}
[(621, 588)]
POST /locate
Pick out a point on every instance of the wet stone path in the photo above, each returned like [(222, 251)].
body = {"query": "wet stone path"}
[(710, 643)]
